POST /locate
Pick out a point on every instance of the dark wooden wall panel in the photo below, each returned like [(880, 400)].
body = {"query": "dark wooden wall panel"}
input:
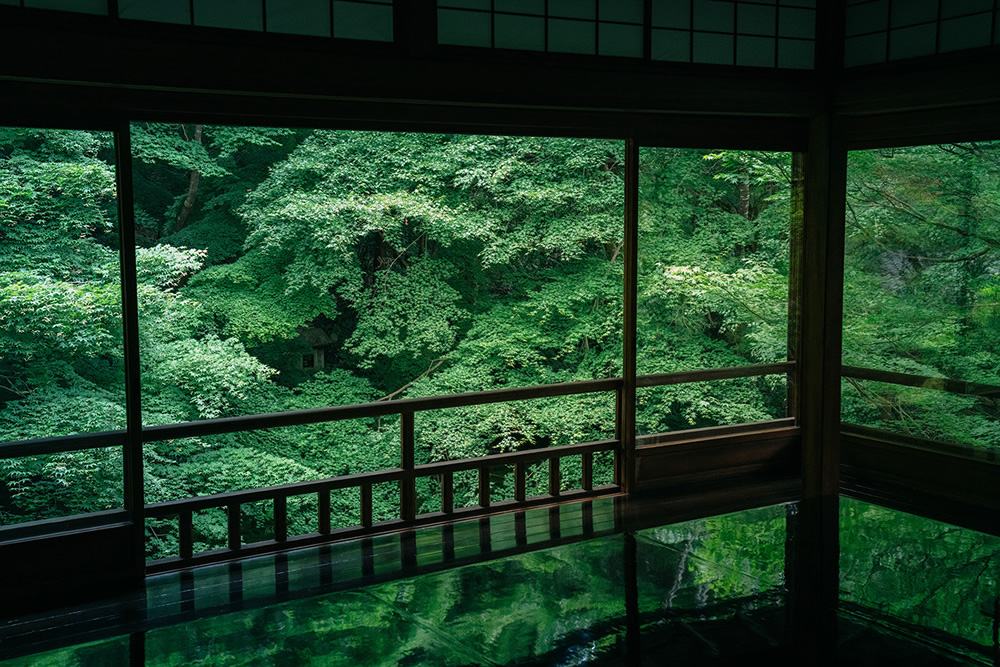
[(67, 568), (774, 453), (943, 485)]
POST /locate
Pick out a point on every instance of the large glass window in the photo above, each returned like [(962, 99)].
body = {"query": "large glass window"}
[(713, 281), (61, 354), (921, 348), (283, 270)]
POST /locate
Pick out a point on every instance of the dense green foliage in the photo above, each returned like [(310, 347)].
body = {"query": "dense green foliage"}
[(922, 282), (281, 270)]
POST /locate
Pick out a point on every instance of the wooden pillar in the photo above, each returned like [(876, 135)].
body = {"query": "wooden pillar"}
[(626, 402), (814, 558), (134, 494)]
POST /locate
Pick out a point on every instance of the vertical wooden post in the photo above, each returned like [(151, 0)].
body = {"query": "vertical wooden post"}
[(134, 494), (407, 485), (626, 434), (815, 558), (484, 486), (447, 493), (233, 515), (795, 277), (519, 482), (324, 519), (587, 471), (280, 518), (555, 480)]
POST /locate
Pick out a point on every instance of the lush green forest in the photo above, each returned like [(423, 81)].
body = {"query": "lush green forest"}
[(281, 270), (922, 288)]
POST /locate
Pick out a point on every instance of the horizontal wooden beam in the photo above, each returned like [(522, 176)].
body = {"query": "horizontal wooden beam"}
[(708, 374), (769, 452), (376, 409), (154, 58), (60, 444), (922, 381)]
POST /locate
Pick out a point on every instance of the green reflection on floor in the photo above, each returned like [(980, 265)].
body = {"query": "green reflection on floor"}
[(562, 605), (921, 572), (105, 653)]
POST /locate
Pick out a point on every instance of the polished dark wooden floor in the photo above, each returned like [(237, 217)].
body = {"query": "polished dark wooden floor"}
[(744, 632)]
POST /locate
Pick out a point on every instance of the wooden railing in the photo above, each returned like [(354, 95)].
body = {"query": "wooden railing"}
[(936, 383), (405, 476)]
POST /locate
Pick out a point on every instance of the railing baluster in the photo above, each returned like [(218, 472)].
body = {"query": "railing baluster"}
[(447, 493), (408, 498), (407, 485), (618, 413), (554, 479), (519, 483), (185, 527), (280, 518), (619, 436), (587, 469), (366, 505), (324, 511), (233, 510), (484, 486)]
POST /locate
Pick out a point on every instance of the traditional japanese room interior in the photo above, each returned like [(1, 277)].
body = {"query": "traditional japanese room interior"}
[(484, 332)]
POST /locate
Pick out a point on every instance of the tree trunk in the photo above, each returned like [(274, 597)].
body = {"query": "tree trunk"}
[(744, 197), (193, 179)]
